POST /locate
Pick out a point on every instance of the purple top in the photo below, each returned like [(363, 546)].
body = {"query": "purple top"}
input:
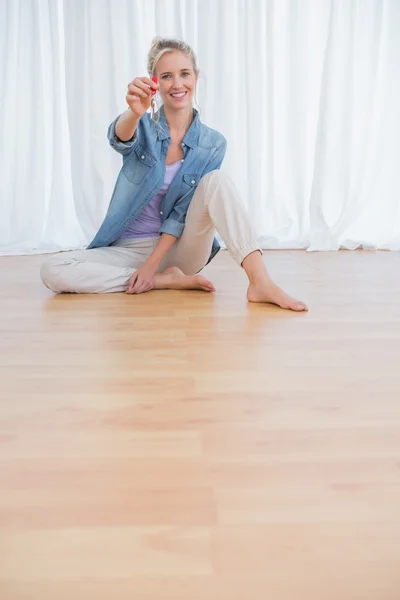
[(148, 223)]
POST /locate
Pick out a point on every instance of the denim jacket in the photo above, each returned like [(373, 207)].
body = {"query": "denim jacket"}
[(143, 170)]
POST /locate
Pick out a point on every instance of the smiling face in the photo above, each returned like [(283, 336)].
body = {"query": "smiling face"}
[(177, 80)]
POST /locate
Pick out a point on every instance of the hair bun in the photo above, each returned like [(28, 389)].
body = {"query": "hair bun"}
[(155, 42)]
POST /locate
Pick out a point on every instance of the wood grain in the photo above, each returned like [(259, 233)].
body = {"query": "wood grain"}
[(184, 446)]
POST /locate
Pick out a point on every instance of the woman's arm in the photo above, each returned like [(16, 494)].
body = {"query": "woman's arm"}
[(126, 126), (165, 243), (171, 230)]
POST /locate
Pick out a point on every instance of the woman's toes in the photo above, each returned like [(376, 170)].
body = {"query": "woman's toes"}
[(205, 284), (296, 305)]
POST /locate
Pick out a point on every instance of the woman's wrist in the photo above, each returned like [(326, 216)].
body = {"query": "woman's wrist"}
[(154, 261)]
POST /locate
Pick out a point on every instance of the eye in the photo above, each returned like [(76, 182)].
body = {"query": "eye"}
[(165, 76), (186, 74)]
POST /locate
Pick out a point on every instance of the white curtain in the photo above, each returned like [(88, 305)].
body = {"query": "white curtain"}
[(307, 93)]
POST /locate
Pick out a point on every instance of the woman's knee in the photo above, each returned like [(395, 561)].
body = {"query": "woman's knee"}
[(215, 185), (215, 178)]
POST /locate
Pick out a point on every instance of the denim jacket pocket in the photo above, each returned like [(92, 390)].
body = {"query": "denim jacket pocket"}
[(190, 180), (139, 164)]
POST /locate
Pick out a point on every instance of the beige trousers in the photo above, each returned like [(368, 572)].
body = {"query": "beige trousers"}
[(215, 206)]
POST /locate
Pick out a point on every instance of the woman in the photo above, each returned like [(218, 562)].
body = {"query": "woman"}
[(168, 200)]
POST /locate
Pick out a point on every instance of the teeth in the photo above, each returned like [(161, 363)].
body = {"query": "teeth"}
[(178, 95)]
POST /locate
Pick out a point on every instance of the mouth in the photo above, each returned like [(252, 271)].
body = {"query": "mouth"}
[(178, 95)]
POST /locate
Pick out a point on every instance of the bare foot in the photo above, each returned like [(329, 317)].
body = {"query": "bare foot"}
[(174, 279), (271, 293)]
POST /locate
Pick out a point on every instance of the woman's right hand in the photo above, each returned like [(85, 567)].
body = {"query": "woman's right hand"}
[(139, 95)]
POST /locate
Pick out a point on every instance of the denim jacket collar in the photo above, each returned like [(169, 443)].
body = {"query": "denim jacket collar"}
[(192, 134)]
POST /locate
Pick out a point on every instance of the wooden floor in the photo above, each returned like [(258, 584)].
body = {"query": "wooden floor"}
[(185, 446)]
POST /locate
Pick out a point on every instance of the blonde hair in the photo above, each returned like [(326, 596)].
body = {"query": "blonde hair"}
[(160, 46)]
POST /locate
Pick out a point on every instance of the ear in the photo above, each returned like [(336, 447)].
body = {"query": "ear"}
[(197, 76)]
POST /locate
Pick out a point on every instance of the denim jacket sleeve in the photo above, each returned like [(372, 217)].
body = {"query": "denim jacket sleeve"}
[(175, 223), (121, 147)]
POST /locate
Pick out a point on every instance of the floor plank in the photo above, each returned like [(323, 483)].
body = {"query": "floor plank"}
[(180, 445)]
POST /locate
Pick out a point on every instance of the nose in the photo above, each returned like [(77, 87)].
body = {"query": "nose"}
[(178, 83)]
